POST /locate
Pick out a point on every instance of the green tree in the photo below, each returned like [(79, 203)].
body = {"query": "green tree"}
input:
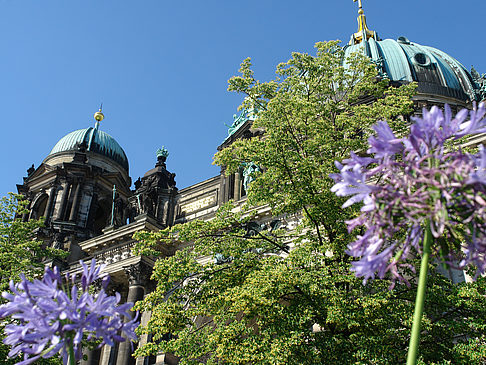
[(267, 291), (20, 253)]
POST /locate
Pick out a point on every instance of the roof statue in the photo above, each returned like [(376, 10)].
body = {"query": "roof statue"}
[(162, 152), (249, 173), (480, 81), (249, 113), (238, 121)]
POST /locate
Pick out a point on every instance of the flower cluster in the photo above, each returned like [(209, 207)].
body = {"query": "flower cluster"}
[(408, 183), (50, 318)]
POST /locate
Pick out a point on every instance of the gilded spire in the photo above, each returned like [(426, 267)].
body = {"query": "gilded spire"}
[(363, 32)]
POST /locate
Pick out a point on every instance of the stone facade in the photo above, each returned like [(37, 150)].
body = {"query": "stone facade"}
[(91, 212), (84, 192)]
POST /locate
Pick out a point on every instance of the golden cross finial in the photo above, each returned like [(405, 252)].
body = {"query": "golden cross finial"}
[(363, 32), (360, 11)]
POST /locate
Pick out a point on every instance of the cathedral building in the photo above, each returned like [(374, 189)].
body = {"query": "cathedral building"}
[(84, 191)]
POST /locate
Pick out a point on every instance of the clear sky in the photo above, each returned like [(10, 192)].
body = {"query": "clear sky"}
[(161, 67)]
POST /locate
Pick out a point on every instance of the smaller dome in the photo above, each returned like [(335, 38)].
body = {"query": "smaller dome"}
[(96, 141)]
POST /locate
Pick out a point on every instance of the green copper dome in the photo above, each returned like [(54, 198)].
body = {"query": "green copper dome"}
[(401, 61), (95, 140), (435, 72)]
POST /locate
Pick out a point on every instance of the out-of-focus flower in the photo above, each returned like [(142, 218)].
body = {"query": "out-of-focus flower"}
[(406, 182), (49, 317)]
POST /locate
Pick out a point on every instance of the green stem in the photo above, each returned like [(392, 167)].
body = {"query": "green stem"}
[(71, 358), (419, 301)]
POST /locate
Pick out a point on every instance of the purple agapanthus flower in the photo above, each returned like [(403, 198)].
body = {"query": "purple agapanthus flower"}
[(49, 317), (406, 182)]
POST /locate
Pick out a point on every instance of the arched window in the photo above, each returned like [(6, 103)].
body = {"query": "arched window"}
[(39, 206)]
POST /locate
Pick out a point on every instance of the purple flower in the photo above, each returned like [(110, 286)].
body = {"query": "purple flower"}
[(385, 143), (50, 318), (414, 180), (353, 183), (431, 131), (476, 123), (479, 174), (373, 262)]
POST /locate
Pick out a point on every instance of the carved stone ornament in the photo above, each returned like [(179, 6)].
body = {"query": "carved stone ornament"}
[(58, 240), (138, 274), (115, 254)]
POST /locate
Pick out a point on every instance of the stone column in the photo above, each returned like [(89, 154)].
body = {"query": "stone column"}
[(64, 196), (237, 195), (137, 277), (144, 338), (222, 188), (150, 286), (74, 208), (50, 203), (105, 355)]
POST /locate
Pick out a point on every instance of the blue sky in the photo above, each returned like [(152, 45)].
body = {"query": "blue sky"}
[(161, 67)]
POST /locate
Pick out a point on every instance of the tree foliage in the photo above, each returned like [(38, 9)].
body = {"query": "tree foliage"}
[(245, 289), (20, 253)]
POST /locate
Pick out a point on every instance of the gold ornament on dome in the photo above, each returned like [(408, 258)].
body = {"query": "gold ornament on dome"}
[(363, 32), (99, 116)]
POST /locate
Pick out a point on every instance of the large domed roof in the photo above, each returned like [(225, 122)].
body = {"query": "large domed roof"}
[(401, 61), (95, 140), (435, 71)]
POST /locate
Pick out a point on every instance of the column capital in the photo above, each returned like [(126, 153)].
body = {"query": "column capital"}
[(138, 274)]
